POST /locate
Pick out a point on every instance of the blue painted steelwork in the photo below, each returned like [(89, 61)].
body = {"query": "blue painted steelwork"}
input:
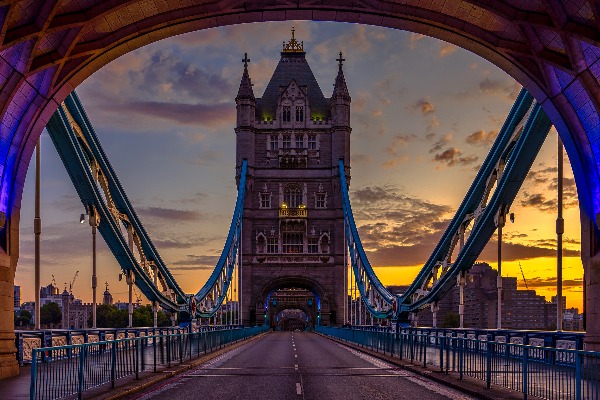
[(100, 192), (495, 358), (505, 167), (377, 299), (211, 296), (65, 371)]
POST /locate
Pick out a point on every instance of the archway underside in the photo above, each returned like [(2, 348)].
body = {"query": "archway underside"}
[(47, 48)]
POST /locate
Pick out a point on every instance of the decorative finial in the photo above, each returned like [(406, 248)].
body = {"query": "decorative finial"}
[(340, 60), (293, 46), (245, 60), (106, 283)]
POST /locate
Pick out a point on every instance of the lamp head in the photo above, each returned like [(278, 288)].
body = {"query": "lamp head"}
[(82, 219), (512, 217)]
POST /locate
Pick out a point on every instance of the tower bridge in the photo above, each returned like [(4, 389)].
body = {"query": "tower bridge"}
[(292, 229)]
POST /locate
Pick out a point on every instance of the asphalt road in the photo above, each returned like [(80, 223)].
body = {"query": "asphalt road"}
[(297, 365)]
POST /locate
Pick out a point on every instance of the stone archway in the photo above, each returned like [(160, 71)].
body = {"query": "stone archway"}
[(47, 48), (301, 292)]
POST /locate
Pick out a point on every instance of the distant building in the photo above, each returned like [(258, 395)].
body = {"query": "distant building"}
[(572, 320), (50, 294), (75, 313), (521, 309), (17, 302)]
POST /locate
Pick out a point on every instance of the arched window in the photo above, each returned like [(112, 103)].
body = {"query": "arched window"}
[(292, 196)]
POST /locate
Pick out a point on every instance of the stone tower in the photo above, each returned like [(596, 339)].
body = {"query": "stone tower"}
[(293, 233)]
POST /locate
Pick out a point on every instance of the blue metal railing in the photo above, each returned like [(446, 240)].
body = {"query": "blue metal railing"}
[(543, 372), (58, 372)]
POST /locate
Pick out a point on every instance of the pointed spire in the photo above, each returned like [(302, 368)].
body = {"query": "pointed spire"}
[(339, 88), (245, 91)]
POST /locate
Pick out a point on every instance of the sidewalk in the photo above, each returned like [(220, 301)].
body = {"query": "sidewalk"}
[(17, 387)]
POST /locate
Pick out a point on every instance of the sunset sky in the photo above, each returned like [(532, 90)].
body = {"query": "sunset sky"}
[(424, 115)]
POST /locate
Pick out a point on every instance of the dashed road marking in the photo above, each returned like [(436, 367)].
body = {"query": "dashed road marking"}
[(298, 388)]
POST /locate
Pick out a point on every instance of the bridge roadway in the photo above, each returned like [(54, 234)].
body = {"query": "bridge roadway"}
[(297, 365)]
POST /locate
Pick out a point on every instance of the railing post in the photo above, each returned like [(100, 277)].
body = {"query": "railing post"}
[(524, 370), (80, 373), (154, 348), (578, 362), (169, 350), (442, 345), (32, 385), (113, 363), (488, 363), (461, 344), (424, 342), (136, 357)]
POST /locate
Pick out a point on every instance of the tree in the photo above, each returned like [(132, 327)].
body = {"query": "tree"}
[(109, 316), (50, 314), (23, 318), (451, 320)]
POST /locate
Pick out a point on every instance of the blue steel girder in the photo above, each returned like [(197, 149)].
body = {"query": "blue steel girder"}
[(376, 298), (99, 189), (504, 169), (210, 298), (502, 172)]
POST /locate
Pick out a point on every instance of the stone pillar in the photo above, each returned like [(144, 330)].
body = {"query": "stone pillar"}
[(590, 256), (8, 361)]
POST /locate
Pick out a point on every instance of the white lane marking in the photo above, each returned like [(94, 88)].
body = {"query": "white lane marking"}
[(298, 388), (296, 367), (296, 355), (412, 377)]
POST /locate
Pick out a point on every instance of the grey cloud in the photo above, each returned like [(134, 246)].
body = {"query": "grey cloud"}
[(424, 105), (191, 262), (481, 138), (170, 213), (212, 115), (453, 156)]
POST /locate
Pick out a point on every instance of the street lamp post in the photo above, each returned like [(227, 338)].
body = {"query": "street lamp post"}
[(94, 220), (500, 224), (37, 230), (560, 229)]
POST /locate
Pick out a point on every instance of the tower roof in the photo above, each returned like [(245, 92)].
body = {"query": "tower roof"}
[(293, 66)]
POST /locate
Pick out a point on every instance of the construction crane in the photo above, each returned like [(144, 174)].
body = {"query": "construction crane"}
[(138, 297), (523, 275), (73, 282)]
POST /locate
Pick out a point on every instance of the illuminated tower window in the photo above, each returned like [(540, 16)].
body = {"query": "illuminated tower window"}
[(292, 196), (312, 142), (272, 245), (299, 142)]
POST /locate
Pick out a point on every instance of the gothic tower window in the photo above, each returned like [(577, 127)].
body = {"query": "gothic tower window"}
[(287, 114), (292, 196), (321, 200), (313, 245), (287, 141), (299, 113), (273, 142), (272, 245), (292, 242), (312, 142), (299, 141), (265, 200)]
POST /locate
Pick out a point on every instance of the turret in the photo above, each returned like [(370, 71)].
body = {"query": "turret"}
[(245, 101), (340, 116), (246, 114), (340, 99)]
